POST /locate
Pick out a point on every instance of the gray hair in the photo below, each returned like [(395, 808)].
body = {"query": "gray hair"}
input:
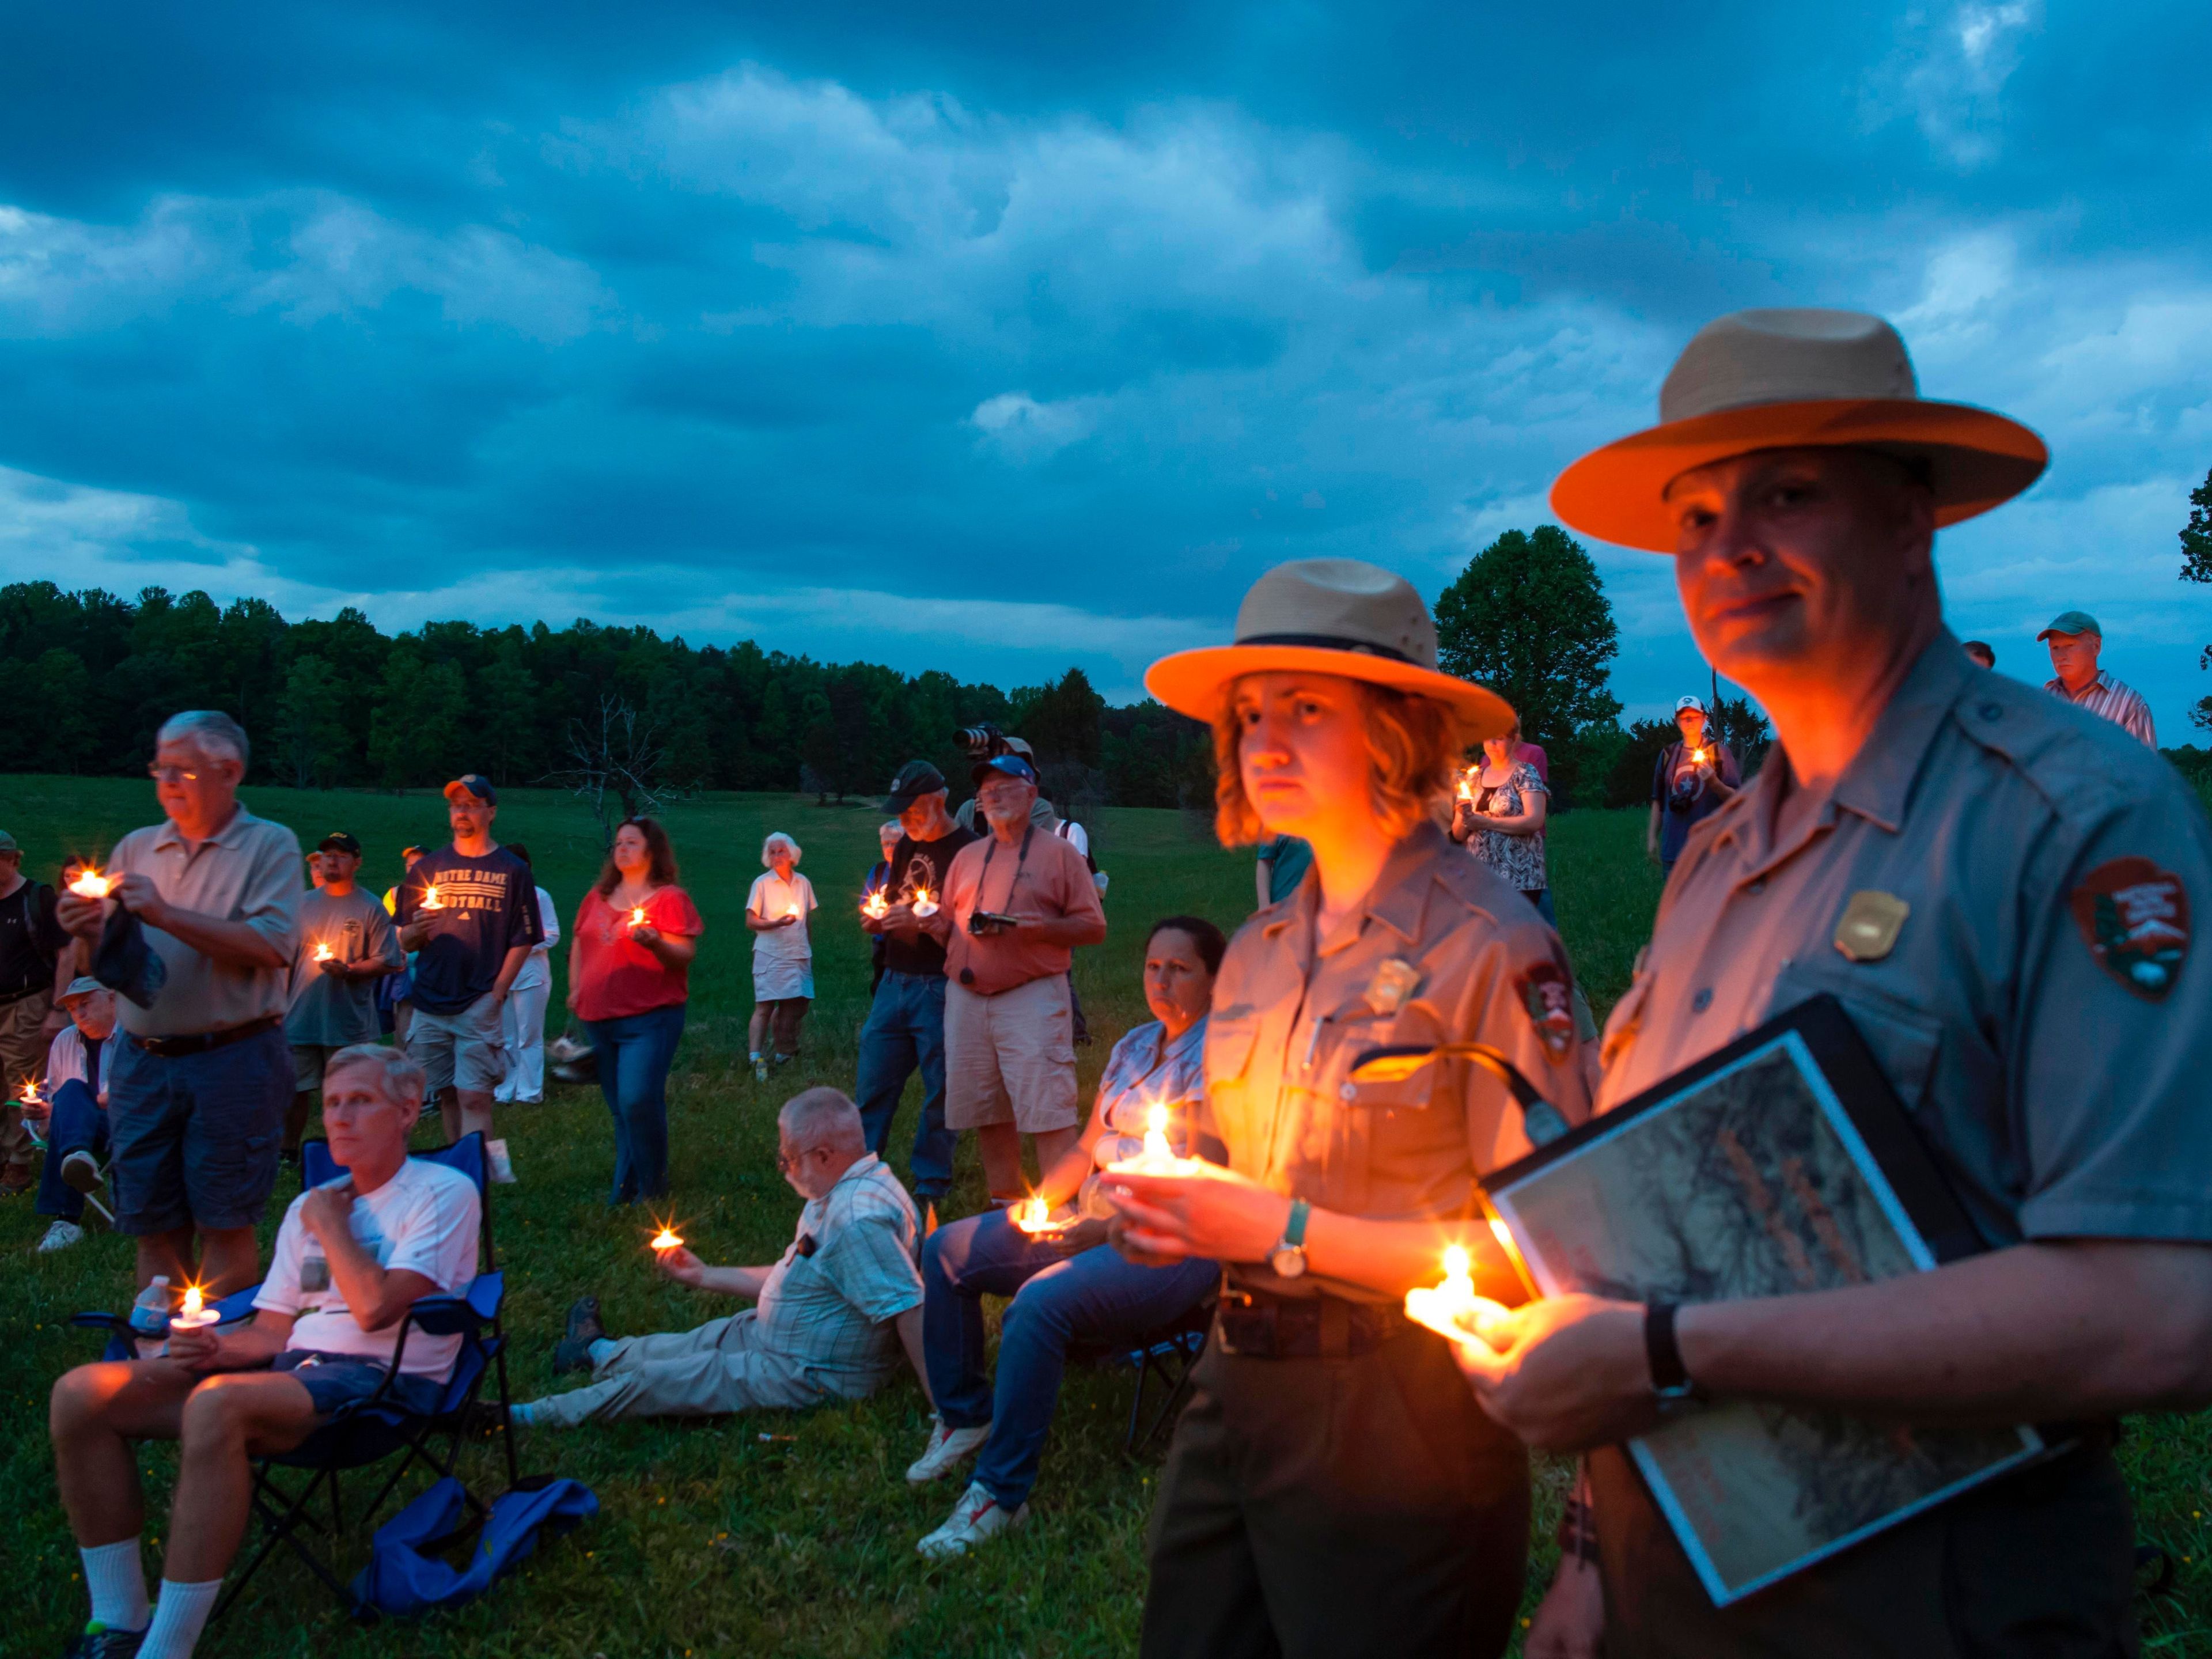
[(775, 838), (823, 1117), (890, 830), (211, 732), (403, 1082)]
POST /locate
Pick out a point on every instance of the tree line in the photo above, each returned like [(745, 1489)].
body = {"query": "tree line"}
[(88, 676)]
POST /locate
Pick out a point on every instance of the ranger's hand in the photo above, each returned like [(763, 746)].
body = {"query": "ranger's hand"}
[(1569, 1372)]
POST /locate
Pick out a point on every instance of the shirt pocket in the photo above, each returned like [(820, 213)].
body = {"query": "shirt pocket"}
[(1228, 1086), (1376, 1144), (1906, 1040)]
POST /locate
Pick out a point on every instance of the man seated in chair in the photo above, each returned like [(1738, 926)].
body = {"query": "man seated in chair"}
[(830, 1316), (350, 1259), (72, 1118)]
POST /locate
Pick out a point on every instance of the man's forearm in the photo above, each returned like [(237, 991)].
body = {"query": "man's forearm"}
[(733, 1281), (234, 943), (1067, 930), (909, 1335), (516, 956), (2034, 1333)]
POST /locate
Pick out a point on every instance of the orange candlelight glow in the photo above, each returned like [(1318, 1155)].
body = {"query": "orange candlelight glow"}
[(90, 883), (30, 1092), (637, 915), (194, 1313), (666, 1239), (1452, 1309), (324, 953), (875, 906), (924, 904), (430, 899)]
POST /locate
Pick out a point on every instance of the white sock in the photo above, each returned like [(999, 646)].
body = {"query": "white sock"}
[(118, 1583), (179, 1617), (602, 1350)]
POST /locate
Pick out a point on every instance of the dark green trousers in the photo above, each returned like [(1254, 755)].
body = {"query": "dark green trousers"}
[(2039, 1565), (1333, 1509)]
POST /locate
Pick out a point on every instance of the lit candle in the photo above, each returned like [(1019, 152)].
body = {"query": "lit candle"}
[(90, 883), (637, 915), (194, 1314), (430, 900), (1034, 1216), (924, 905), (1452, 1309), (1467, 786), (875, 906), (30, 1092), (323, 952), (666, 1239), (1158, 1156)]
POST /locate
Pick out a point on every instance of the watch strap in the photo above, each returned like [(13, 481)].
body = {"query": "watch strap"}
[(1294, 1227), (1670, 1377)]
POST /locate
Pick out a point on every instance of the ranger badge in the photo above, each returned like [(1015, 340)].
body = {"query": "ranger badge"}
[(1394, 982), (1871, 923), (2134, 917), (1548, 996)]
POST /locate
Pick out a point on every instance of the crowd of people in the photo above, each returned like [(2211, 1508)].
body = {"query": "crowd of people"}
[(1343, 1480)]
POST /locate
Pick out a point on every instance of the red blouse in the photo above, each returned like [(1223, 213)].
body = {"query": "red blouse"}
[(612, 974)]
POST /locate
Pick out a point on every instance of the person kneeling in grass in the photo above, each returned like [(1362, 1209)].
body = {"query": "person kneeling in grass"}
[(830, 1316), (351, 1258), (1067, 1286)]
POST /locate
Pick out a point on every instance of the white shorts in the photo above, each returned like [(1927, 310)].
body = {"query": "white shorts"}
[(1010, 1058), (467, 1050)]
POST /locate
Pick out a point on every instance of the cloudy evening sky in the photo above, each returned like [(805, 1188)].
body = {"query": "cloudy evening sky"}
[(1002, 338)]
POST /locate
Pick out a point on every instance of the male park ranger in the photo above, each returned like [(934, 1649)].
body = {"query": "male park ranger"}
[(2000, 888)]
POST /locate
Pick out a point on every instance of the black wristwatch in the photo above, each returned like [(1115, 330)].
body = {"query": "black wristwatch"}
[(1670, 1378)]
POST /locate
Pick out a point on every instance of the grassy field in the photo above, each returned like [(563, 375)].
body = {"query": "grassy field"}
[(775, 1534)]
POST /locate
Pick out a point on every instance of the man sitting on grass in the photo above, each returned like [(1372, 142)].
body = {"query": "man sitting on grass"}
[(830, 1316), (350, 1259)]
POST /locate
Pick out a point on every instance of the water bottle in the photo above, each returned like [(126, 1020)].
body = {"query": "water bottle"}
[(149, 1314), (314, 1267)]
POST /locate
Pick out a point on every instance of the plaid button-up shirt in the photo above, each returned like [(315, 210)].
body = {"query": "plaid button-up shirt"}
[(830, 1310)]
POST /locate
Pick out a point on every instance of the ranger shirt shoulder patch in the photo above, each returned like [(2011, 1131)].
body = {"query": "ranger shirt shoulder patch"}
[(2134, 917)]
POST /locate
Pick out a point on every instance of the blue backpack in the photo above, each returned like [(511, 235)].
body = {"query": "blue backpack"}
[(405, 1573)]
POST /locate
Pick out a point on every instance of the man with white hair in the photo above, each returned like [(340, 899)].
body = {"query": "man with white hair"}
[(350, 1259), (199, 1085), (73, 1115), (831, 1314)]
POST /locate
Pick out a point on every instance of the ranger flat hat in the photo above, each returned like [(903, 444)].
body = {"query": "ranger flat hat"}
[(1790, 380), (1339, 617)]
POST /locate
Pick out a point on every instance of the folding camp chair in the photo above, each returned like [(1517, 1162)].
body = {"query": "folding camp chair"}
[(1167, 1353), (368, 1432)]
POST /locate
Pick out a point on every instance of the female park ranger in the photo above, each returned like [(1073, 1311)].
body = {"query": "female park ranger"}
[(1332, 1490)]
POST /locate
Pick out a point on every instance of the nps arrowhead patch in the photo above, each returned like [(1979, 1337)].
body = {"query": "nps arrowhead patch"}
[(2135, 918)]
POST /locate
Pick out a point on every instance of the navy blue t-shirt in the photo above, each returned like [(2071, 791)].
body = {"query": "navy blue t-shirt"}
[(489, 905)]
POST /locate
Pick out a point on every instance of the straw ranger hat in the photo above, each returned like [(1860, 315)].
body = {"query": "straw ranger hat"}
[(1789, 380), (1337, 616)]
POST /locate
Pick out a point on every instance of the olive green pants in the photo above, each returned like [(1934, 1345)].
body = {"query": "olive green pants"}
[(1332, 1509), (2036, 1565)]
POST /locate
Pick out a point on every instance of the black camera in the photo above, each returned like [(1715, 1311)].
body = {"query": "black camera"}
[(982, 743), (984, 923)]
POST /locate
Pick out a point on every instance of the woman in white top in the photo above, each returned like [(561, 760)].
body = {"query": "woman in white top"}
[(783, 957), (522, 1017)]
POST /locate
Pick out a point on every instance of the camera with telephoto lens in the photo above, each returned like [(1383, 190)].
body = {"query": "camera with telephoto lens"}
[(983, 923), (982, 743)]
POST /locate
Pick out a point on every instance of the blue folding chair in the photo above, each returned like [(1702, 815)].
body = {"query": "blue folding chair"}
[(368, 1432)]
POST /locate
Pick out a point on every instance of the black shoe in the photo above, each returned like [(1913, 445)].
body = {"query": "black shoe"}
[(105, 1643), (573, 1353)]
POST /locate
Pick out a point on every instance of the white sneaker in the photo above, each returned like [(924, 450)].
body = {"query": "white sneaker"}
[(947, 1450), (60, 1236), (975, 1519), (502, 1168), (81, 1170)]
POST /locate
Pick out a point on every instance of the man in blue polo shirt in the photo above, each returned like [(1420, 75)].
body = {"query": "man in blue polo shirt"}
[(469, 912)]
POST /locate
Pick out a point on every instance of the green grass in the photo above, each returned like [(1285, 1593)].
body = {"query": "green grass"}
[(778, 1533)]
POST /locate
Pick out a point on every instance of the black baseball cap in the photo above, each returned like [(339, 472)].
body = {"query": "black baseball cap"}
[(916, 778), (473, 783), (338, 841)]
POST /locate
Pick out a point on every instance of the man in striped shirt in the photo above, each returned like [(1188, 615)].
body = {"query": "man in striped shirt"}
[(833, 1313), (2076, 640)]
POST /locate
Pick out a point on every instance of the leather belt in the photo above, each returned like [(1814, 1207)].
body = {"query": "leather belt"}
[(200, 1042), (1254, 1325), (11, 999)]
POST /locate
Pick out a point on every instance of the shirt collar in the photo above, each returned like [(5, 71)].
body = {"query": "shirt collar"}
[(2057, 687), (1881, 776), (1395, 900), (229, 836)]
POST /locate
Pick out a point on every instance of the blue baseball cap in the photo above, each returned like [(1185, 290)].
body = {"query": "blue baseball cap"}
[(473, 783), (1012, 766)]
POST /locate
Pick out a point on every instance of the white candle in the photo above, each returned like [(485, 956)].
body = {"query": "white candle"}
[(430, 900), (323, 952), (924, 905), (194, 1314), (1452, 1309), (90, 883), (666, 1239), (637, 915), (876, 906), (1158, 1156)]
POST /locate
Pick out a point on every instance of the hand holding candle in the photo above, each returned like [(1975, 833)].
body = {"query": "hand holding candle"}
[(430, 899), (1452, 1309), (91, 884), (925, 903), (875, 906), (1158, 1158), (1033, 1215), (324, 953), (667, 1239)]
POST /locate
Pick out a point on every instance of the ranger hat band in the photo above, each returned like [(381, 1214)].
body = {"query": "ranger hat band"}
[(82, 986), (914, 779), (338, 841), (1697, 703), (1338, 616), (1793, 379), (1010, 766), (473, 783), (2072, 621)]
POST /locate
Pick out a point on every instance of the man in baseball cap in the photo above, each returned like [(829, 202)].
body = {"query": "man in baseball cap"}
[(1690, 781), (472, 783), (2076, 643), (916, 778), (1998, 894)]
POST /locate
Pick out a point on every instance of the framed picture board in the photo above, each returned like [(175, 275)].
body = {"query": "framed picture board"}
[(1783, 1163)]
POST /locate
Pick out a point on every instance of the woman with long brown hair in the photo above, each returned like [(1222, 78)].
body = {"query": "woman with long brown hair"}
[(629, 963), (1332, 1489)]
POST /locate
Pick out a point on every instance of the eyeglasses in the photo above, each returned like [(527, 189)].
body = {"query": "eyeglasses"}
[(783, 1164), (171, 774)]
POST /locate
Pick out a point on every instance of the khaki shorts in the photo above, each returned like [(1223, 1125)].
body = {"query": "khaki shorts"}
[(1010, 1058), (467, 1050), (309, 1061)]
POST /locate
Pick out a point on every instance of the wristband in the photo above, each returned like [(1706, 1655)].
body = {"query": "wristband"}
[(1578, 1533), (1670, 1378)]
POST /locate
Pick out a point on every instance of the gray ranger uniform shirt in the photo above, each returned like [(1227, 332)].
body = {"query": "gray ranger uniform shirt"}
[(2040, 1012)]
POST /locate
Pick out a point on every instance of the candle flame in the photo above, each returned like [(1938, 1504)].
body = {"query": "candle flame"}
[(876, 905), (30, 1092), (430, 900), (637, 915), (1156, 1119), (192, 1302), (666, 1239), (323, 952), (1458, 1268), (1034, 1212), (91, 884)]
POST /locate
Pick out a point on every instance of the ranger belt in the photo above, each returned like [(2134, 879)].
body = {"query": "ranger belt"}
[(1255, 1324), (169, 1048)]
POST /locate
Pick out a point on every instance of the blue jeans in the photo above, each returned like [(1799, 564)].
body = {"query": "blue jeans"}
[(77, 1124), (1093, 1296), (906, 1029), (634, 1054)]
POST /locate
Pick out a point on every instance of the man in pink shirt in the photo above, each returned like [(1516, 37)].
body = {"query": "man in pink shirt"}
[(1016, 904)]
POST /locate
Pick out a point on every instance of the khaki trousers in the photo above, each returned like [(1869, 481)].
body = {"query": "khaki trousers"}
[(22, 1055), (712, 1371)]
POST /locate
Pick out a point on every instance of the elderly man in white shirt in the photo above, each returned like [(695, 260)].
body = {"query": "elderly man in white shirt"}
[(71, 1115), (522, 1017)]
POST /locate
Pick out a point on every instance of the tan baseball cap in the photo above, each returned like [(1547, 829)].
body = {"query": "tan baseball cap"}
[(1790, 380)]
